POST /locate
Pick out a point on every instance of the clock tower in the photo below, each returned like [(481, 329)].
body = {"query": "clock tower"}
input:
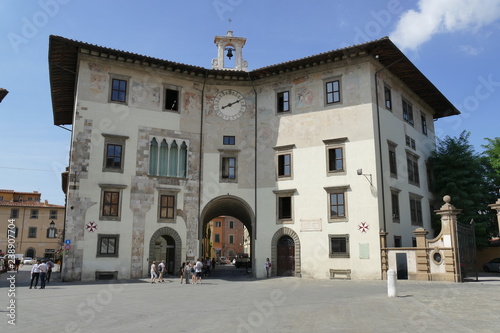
[(233, 47)]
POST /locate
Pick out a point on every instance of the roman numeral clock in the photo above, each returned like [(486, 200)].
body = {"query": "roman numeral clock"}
[(229, 104)]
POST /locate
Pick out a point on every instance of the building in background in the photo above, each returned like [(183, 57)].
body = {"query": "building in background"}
[(38, 225), (317, 157), (225, 237)]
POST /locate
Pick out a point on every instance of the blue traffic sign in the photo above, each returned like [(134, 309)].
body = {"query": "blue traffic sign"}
[(68, 241)]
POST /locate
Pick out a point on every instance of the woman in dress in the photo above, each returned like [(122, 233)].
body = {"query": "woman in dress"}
[(154, 273)]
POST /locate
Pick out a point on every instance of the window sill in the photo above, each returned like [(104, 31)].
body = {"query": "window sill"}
[(284, 221), (343, 219)]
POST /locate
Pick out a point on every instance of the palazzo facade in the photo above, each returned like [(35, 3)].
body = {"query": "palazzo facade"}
[(314, 156)]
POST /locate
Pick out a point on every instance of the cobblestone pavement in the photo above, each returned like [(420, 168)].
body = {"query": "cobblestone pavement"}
[(240, 303)]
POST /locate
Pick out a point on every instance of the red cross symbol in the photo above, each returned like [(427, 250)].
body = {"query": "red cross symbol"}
[(91, 226), (363, 227)]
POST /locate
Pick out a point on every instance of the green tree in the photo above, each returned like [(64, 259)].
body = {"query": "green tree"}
[(461, 173), (492, 153)]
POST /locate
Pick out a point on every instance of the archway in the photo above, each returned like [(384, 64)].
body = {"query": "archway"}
[(166, 244), (285, 249), (230, 206)]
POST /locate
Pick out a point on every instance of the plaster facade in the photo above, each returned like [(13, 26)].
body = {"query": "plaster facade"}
[(312, 181)]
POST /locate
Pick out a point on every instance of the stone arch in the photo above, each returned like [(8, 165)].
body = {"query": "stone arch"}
[(274, 251), (178, 245)]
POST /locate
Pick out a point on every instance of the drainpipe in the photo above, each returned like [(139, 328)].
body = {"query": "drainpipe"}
[(380, 141), (200, 167), (255, 174)]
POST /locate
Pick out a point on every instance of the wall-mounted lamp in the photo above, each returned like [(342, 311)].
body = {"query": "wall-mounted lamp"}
[(360, 173)]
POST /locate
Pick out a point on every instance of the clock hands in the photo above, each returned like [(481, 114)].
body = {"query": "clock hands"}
[(230, 104)]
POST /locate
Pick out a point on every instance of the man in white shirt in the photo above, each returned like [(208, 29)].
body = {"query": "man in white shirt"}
[(198, 268), (35, 273), (43, 274)]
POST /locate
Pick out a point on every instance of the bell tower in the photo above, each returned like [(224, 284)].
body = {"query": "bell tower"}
[(232, 46)]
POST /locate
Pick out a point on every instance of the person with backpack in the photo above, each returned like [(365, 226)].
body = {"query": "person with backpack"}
[(161, 269)]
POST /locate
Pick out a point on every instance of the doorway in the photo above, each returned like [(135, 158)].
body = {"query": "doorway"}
[(286, 256)]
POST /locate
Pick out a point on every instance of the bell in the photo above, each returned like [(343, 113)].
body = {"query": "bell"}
[(229, 53)]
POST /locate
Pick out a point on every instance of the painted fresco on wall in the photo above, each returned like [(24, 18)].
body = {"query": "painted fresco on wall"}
[(304, 97), (145, 95), (192, 102), (98, 83)]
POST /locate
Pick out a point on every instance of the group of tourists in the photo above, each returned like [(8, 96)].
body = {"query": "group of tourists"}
[(191, 272), (41, 270)]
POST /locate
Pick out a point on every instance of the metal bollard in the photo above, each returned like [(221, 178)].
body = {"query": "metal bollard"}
[(391, 283)]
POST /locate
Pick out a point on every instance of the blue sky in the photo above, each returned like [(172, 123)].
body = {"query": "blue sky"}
[(455, 43)]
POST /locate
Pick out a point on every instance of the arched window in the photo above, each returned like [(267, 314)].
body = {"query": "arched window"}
[(173, 159), (153, 158), (183, 160), (163, 158)]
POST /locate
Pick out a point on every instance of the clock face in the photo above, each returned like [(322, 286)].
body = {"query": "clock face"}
[(229, 104)]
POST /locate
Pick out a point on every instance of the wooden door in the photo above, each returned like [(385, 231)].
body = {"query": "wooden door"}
[(286, 256)]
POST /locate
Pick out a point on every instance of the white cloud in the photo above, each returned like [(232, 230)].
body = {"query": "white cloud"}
[(470, 50), (416, 27)]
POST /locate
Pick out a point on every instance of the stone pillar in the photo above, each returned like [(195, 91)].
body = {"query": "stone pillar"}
[(449, 214), (384, 261), (496, 206), (421, 254)]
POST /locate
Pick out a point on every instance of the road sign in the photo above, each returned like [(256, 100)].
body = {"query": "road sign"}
[(67, 247), (68, 241)]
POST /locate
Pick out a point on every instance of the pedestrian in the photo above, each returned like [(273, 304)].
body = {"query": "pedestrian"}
[(198, 269), (43, 274), (187, 271), (182, 271), (154, 272), (208, 263), (268, 266), (161, 269), (35, 273), (50, 265), (17, 263), (213, 264)]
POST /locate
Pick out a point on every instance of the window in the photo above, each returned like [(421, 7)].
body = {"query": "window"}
[(284, 200), (217, 224), (167, 158), (284, 165), (228, 172), (407, 112), (416, 210), (53, 215), (395, 205), (397, 241), (283, 102), (339, 246), (231, 224), (111, 196), (229, 167), (393, 164), (424, 123), (107, 245), (118, 90), (387, 97), (12, 232), (110, 203), (114, 150), (335, 159), (51, 233), (34, 214), (284, 161), (284, 208), (337, 206), (171, 99), (217, 238), (412, 164), (14, 213), (167, 207), (32, 232), (231, 239), (410, 142), (113, 156), (228, 140), (414, 242), (333, 92)]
